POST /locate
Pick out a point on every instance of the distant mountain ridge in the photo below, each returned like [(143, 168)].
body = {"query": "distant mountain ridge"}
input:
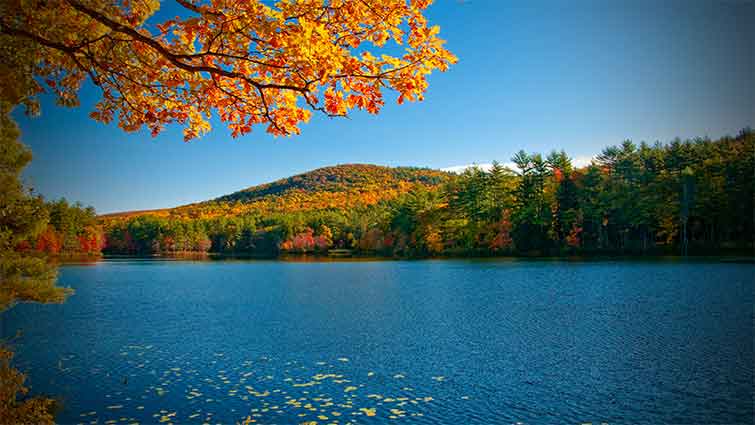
[(339, 186), (340, 178)]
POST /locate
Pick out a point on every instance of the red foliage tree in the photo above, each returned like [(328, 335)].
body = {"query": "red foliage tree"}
[(502, 233), (304, 242), (204, 244), (573, 239), (49, 241)]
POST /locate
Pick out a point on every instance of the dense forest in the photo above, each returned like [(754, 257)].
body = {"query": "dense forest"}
[(338, 187), (70, 230), (693, 196)]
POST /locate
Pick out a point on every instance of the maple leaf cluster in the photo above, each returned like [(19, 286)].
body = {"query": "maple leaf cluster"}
[(245, 62)]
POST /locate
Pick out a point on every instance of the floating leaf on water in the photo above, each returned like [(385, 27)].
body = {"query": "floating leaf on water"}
[(369, 411)]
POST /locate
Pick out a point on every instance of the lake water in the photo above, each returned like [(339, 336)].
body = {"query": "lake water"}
[(427, 342)]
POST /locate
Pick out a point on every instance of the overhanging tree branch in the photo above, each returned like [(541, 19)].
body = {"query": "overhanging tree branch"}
[(173, 57)]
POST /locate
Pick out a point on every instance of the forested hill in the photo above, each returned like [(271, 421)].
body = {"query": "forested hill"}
[(334, 187), (363, 178)]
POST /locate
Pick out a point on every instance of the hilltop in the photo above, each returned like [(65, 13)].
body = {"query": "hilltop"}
[(365, 178), (333, 187)]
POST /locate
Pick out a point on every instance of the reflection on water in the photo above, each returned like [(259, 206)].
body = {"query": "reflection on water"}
[(406, 342)]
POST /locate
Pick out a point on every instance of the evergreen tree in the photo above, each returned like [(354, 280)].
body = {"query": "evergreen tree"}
[(22, 277)]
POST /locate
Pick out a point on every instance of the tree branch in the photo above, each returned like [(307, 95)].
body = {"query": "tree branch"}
[(172, 57)]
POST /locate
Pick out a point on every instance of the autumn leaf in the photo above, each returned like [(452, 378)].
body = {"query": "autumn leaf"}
[(248, 63)]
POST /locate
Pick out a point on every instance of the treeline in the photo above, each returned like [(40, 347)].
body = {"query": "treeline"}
[(70, 230), (692, 196)]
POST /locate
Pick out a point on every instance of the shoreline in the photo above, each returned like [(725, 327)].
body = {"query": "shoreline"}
[(213, 257)]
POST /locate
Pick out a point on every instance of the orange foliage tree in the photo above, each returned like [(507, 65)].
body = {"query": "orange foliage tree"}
[(92, 240), (49, 241), (247, 61), (324, 240)]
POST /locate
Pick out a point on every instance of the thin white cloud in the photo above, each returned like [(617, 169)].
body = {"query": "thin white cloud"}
[(582, 161), (461, 168), (577, 162)]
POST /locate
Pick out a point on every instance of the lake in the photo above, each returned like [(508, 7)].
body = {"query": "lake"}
[(425, 342)]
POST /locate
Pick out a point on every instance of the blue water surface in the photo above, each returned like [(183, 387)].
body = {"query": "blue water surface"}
[(426, 342)]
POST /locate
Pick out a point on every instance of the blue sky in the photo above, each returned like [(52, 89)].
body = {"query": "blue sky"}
[(533, 75)]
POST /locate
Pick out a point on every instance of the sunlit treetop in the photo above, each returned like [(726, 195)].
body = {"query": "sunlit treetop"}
[(250, 62)]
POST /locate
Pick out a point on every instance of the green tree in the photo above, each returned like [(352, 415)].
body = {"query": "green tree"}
[(565, 209), (22, 217), (22, 277), (532, 213)]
